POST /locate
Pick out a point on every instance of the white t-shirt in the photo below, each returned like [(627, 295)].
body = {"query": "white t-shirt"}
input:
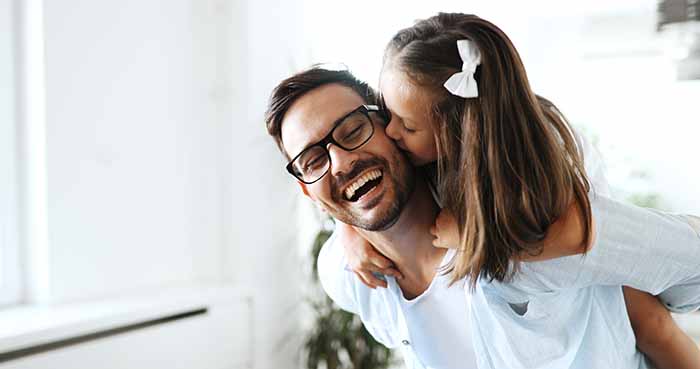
[(444, 340), (431, 330)]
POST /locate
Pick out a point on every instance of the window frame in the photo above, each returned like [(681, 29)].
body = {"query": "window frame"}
[(10, 262)]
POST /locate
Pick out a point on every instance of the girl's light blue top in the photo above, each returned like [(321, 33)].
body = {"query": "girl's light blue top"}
[(570, 312)]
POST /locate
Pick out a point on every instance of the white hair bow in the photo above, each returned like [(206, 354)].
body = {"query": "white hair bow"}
[(463, 83)]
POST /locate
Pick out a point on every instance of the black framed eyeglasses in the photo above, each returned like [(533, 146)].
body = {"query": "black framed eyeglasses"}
[(349, 133)]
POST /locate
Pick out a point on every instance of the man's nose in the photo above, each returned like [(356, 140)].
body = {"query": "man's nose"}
[(342, 161)]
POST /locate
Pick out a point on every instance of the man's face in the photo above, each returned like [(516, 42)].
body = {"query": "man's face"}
[(374, 204)]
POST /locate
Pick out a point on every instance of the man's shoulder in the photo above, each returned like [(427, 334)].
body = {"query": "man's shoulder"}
[(377, 308)]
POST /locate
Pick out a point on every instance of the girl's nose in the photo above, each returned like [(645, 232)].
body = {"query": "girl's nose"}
[(393, 129)]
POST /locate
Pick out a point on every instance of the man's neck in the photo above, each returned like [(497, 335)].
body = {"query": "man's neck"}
[(408, 243)]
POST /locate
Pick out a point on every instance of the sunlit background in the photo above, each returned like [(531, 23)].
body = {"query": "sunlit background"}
[(138, 184)]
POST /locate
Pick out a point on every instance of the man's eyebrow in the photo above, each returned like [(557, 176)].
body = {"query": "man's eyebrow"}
[(335, 124)]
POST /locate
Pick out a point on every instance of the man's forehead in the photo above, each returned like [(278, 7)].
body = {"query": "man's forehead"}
[(311, 117)]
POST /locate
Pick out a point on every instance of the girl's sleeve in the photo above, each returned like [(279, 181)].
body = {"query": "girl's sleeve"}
[(684, 297), (646, 249)]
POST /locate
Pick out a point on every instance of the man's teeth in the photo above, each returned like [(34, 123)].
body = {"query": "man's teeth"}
[(350, 191)]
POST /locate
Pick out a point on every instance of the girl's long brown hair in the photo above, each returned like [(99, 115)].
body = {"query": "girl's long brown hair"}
[(508, 162)]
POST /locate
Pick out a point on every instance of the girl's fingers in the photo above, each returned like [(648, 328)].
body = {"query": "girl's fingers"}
[(371, 280), (379, 260), (364, 281), (369, 268), (392, 272)]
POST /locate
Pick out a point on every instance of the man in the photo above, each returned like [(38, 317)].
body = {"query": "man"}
[(344, 161)]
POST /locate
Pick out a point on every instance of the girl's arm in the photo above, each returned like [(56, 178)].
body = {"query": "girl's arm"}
[(363, 259), (564, 237), (658, 335)]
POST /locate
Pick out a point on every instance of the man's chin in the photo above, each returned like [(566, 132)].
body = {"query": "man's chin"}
[(374, 225), (378, 218), (382, 224)]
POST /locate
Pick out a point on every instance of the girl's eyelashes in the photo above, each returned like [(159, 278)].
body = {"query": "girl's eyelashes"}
[(390, 116), (408, 130), (406, 127)]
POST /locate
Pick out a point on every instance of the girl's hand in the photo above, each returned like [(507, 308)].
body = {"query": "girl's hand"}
[(363, 259), (445, 231)]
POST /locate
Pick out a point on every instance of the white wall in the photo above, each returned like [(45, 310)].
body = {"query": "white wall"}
[(159, 168), (263, 198), (133, 147)]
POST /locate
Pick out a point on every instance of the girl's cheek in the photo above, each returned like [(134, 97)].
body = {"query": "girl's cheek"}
[(429, 149), (421, 153), (401, 143)]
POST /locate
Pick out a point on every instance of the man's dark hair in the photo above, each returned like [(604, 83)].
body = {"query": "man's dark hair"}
[(294, 87)]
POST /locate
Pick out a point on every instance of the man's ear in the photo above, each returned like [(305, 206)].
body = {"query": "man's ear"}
[(304, 189)]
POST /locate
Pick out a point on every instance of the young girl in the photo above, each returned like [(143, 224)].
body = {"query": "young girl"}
[(511, 179)]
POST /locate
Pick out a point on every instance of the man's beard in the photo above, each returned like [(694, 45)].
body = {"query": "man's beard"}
[(398, 182)]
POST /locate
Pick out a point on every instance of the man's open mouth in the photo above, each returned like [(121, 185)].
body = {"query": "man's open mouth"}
[(362, 185)]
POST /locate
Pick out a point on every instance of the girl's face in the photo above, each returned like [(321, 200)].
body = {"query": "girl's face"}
[(410, 124)]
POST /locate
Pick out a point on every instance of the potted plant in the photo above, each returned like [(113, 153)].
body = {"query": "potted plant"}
[(338, 339)]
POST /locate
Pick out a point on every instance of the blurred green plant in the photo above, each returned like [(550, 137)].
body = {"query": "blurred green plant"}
[(647, 200), (337, 338), (635, 186)]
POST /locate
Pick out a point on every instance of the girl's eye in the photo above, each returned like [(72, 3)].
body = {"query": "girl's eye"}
[(409, 130)]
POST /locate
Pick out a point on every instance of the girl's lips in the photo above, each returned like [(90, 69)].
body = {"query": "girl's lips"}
[(401, 146)]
